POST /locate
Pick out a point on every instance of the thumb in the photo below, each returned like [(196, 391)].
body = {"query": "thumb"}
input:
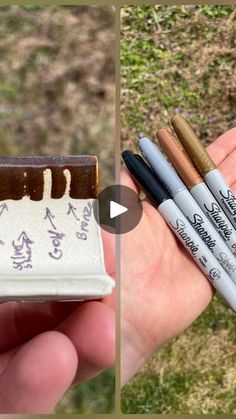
[(38, 375)]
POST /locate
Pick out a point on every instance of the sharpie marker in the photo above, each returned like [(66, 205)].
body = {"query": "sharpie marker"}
[(197, 187), (181, 227), (187, 204), (206, 167)]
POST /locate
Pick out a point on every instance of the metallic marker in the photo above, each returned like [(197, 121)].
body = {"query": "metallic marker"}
[(187, 204), (206, 167), (181, 227), (198, 189)]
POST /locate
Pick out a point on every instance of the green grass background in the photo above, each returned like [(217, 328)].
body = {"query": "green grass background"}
[(57, 97), (182, 58)]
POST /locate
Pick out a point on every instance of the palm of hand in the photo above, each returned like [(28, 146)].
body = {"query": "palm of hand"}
[(163, 290)]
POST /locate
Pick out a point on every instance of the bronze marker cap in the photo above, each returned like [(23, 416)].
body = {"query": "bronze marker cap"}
[(178, 157), (192, 145)]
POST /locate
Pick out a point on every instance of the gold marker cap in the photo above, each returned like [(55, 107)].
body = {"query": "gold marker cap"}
[(178, 157), (192, 145)]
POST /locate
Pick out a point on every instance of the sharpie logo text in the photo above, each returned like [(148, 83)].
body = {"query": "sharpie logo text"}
[(230, 199), (215, 214), (198, 225), (180, 228)]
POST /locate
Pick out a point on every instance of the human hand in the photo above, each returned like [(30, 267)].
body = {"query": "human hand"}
[(162, 290), (45, 347)]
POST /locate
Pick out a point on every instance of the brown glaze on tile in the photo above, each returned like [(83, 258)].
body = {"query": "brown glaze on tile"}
[(58, 183), (11, 183), (34, 182), (24, 176), (82, 189)]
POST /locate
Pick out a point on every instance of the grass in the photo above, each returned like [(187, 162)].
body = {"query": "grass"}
[(95, 396), (193, 374), (182, 58), (57, 97), (177, 58)]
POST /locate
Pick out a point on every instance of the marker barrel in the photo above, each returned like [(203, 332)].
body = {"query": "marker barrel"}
[(215, 214), (206, 167), (182, 197), (198, 189), (199, 251), (222, 193), (171, 213), (206, 231), (169, 178)]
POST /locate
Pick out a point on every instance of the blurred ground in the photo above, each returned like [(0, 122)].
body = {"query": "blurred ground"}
[(182, 58), (57, 82), (57, 97)]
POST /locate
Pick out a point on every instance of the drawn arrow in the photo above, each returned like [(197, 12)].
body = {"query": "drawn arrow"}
[(24, 238), (72, 210), (2, 208), (50, 217)]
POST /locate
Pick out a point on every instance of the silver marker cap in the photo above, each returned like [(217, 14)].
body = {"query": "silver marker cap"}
[(162, 168)]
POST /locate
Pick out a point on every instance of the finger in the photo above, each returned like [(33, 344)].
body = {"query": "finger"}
[(223, 152), (109, 241), (6, 357), (38, 375), (227, 168), (109, 251), (223, 146), (233, 187), (91, 328), (19, 322)]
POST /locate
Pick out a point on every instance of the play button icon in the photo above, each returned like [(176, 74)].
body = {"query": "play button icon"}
[(118, 209)]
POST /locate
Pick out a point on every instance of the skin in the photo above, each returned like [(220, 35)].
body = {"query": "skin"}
[(163, 291), (46, 347)]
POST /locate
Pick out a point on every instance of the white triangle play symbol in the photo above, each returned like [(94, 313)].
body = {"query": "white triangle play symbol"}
[(116, 209)]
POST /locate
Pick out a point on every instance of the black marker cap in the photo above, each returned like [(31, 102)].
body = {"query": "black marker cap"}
[(145, 177)]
